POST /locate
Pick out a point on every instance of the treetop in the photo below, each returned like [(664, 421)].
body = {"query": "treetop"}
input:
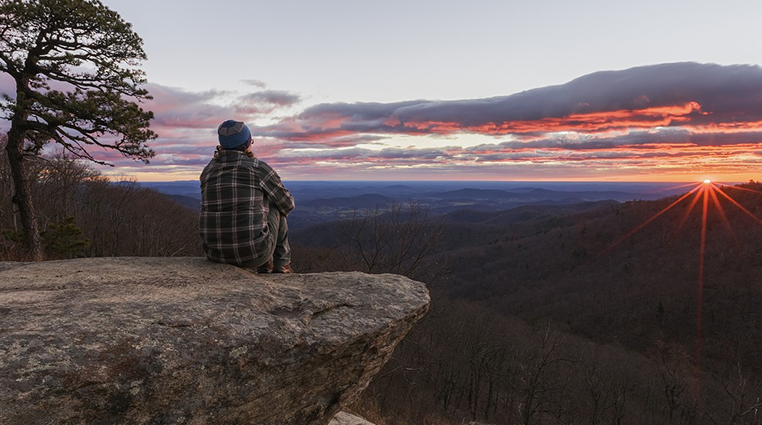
[(76, 68)]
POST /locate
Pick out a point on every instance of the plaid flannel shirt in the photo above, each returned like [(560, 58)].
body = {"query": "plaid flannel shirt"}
[(236, 192)]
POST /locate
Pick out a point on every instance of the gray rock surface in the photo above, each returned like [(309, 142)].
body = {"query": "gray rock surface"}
[(344, 418), (187, 341)]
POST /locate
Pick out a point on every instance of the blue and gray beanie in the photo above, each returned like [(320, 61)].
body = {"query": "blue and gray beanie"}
[(234, 135)]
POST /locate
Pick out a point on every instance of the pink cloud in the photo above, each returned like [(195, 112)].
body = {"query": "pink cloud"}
[(675, 117)]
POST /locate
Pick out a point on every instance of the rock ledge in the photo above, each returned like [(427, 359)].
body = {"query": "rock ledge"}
[(187, 341)]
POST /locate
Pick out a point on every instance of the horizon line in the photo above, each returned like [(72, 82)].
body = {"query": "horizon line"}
[(470, 181)]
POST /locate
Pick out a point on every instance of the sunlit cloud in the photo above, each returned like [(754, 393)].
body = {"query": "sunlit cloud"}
[(176, 109), (668, 121), (681, 94), (676, 118), (186, 123)]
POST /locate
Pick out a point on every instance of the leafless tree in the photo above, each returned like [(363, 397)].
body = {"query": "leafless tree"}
[(740, 398), (399, 239), (537, 384)]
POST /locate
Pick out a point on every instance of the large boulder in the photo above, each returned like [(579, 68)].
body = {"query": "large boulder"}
[(187, 341)]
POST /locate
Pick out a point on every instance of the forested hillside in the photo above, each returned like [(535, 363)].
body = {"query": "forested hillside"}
[(557, 316), (82, 213)]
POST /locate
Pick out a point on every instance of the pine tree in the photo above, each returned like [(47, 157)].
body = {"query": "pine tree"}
[(78, 84)]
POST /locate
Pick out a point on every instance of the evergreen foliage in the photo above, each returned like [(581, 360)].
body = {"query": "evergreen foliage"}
[(65, 239), (75, 64)]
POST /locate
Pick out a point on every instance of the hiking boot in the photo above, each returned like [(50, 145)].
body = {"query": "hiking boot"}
[(282, 269), (265, 268)]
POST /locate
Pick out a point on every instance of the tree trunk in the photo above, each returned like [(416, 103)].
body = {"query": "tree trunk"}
[(22, 197)]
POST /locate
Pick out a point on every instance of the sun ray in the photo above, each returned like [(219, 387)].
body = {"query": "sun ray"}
[(747, 212), (675, 187), (724, 218), (700, 294), (739, 188), (642, 225), (703, 192), (689, 210)]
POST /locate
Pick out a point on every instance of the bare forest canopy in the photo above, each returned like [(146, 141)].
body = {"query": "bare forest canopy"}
[(552, 314), (84, 214), (530, 324)]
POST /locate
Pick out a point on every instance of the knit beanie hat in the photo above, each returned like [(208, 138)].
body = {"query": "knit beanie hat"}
[(234, 135)]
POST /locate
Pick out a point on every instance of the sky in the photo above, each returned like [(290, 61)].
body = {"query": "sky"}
[(453, 90)]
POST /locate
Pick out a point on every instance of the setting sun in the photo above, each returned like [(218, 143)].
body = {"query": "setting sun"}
[(707, 181)]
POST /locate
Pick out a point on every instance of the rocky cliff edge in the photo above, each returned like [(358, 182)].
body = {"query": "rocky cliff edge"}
[(187, 341)]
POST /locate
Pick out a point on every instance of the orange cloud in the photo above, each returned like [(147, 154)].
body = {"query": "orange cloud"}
[(663, 116)]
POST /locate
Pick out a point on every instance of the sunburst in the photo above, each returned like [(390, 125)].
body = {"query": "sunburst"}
[(708, 193)]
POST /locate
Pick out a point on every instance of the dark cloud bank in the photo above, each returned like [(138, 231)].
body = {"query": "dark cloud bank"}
[(691, 95)]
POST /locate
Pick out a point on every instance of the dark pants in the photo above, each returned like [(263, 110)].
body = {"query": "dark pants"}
[(279, 251)]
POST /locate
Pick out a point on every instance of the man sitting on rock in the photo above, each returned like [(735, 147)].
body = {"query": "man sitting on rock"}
[(244, 206)]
